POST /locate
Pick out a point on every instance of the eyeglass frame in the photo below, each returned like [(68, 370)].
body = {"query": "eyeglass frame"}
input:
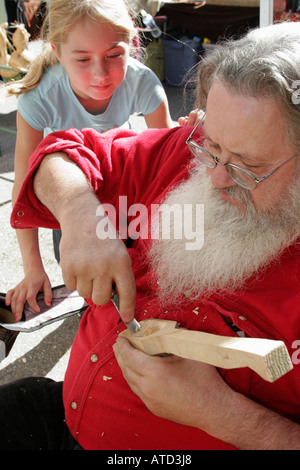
[(216, 161)]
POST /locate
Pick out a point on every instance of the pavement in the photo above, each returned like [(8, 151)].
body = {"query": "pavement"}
[(44, 352)]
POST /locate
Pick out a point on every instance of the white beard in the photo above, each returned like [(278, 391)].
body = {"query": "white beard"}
[(237, 243)]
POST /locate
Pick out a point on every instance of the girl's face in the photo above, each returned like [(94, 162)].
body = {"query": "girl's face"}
[(95, 57)]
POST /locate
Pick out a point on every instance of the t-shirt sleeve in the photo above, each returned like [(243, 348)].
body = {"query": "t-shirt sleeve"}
[(33, 101), (151, 92)]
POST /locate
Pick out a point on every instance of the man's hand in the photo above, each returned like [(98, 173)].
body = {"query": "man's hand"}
[(187, 392), (194, 394), (91, 266)]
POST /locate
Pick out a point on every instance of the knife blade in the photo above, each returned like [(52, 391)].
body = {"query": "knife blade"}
[(133, 326)]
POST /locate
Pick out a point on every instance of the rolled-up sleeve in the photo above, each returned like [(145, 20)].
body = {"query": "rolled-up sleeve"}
[(90, 150), (116, 163)]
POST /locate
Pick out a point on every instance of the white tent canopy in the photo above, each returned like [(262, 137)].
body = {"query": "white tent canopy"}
[(152, 6)]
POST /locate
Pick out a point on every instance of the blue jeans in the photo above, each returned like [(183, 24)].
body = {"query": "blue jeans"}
[(32, 416)]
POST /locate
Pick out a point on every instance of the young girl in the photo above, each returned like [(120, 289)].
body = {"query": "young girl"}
[(85, 77)]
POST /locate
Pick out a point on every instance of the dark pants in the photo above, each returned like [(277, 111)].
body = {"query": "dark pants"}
[(56, 236), (32, 416)]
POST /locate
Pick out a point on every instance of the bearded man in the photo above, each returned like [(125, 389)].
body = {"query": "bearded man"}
[(241, 162)]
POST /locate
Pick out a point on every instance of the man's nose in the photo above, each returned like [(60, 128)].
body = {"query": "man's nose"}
[(219, 177)]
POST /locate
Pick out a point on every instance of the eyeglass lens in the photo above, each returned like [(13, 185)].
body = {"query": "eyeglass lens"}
[(238, 175)]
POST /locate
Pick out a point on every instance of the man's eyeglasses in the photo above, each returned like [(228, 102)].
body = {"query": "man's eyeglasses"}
[(240, 176)]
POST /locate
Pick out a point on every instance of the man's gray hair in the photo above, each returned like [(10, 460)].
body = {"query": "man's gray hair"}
[(264, 63)]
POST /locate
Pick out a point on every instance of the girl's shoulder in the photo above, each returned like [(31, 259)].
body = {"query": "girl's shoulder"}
[(135, 66), (51, 85), (138, 72), (52, 78), (53, 75)]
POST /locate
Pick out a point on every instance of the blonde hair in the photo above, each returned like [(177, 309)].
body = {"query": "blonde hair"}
[(61, 18)]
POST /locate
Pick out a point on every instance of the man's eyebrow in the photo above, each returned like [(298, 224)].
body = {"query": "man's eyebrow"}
[(206, 136), (245, 158)]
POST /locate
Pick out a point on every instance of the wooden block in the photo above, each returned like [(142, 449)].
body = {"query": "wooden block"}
[(268, 358)]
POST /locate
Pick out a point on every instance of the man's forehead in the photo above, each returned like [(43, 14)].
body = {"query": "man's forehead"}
[(248, 126)]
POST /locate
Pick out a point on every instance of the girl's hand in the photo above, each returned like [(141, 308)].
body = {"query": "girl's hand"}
[(192, 119), (34, 281)]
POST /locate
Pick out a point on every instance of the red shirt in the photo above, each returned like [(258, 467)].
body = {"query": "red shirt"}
[(101, 410)]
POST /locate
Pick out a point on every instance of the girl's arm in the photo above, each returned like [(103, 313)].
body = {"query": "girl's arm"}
[(35, 278), (160, 118)]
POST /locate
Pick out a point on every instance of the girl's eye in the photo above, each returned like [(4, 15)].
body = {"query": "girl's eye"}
[(82, 60), (115, 56)]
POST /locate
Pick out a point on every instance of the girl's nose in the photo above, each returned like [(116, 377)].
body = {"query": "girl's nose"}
[(99, 69)]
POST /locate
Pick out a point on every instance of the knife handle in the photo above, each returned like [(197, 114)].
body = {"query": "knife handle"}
[(133, 326)]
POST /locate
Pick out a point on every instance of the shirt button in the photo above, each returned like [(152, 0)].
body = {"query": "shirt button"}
[(74, 405), (20, 213), (94, 358)]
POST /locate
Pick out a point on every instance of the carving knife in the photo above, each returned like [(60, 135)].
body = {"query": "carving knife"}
[(133, 326)]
